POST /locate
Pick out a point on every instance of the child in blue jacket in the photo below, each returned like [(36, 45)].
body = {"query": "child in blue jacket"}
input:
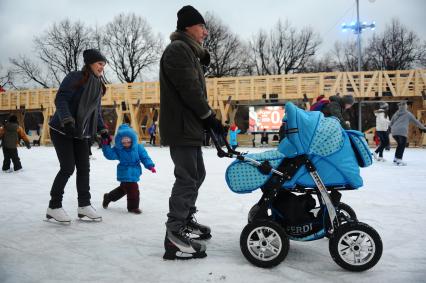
[(130, 154), (233, 139)]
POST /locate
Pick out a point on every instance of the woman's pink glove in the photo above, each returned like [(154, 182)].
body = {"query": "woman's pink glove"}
[(153, 170), (106, 141)]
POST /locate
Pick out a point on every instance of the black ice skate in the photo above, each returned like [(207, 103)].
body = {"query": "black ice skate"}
[(106, 201), (179, 245), (201, 232)]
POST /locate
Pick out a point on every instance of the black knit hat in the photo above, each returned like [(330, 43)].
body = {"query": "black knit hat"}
[(348, 99), (91, 56), (188, 16)]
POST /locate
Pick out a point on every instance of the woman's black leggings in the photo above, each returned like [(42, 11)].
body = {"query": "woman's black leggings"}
[(384, 141), (72, 153)]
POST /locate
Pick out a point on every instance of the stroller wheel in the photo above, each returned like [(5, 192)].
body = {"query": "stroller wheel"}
[(345, 213), (254, 214), (264, 243), (355, 246)]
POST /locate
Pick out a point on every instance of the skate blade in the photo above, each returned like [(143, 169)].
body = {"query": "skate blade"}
[(48, 218), (86, 218), (204, 237), (183, 256)]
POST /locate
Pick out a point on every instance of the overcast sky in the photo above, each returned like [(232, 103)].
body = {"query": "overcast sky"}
[(21, 20)]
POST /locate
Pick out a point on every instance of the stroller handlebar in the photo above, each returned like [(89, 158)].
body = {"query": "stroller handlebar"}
[(230, 152)]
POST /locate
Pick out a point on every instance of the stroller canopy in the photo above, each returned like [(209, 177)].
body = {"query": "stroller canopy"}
[(326, 144), (322, 139)]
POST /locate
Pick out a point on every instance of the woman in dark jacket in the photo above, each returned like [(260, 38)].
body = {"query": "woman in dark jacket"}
[(77, 119)]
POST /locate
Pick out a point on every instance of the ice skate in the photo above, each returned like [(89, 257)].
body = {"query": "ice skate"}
[(106, 201), (201, 232), (377, 157), (58, 214), (135, 211), (88, 212), (399, 162), (179, 245)]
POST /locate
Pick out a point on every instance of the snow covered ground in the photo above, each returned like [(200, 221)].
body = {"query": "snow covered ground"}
[(129, 248)]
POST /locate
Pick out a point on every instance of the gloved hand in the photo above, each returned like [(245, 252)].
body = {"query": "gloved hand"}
[(104, 133), (28, 145), (106, 141), (265, 168), (212, 123), (423, 130), (152, 169), (69, 129)]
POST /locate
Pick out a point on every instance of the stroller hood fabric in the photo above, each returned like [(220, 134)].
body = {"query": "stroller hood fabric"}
[(322, 139)]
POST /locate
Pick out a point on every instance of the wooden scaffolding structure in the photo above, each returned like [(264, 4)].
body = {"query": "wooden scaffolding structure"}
[(140, 101)]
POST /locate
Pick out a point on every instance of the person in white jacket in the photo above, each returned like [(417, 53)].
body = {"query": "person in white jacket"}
[(382, 127)]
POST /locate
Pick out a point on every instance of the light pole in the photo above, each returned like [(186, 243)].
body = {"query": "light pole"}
[(357, 28)]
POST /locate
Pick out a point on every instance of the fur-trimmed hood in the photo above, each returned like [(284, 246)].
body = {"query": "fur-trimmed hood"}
[(126, 131)]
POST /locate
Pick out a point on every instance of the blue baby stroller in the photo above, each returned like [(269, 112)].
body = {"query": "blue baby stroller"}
[(301, 200)]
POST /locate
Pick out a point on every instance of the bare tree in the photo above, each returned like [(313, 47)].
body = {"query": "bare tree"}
[(59, 50), (228, 54), (317, 65), (261, 58), (61, 47), (345, 57), (6, 78), (98, 35), (29, 71), (397, 48), (131, 46), (423, 55), (284, 50)]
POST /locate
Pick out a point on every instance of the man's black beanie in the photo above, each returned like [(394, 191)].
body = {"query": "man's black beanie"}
[(188, 16), (91, 56)]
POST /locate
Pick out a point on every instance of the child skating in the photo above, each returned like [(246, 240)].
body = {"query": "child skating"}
[(130, 154)]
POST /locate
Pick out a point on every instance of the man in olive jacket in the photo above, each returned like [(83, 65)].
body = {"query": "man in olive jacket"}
[(185, 114)]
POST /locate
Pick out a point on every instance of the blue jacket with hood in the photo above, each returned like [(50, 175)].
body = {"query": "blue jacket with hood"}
[(129, 168), (233, 136)]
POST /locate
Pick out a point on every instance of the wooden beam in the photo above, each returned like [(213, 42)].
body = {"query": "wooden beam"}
[(371, 82), (336, 84), (390, 84), (407, 83), (351, 80)]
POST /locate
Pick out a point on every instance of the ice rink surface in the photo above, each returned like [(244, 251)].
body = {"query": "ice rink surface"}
[(129, 248)]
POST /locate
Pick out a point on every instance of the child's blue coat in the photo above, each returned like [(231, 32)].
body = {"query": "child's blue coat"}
[(233, 137), (129, 168)]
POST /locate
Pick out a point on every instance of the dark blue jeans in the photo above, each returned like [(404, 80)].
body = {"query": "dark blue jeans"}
[(402, 142), (384, 141)]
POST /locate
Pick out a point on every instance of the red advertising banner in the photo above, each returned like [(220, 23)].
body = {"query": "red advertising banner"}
[(265, 117)]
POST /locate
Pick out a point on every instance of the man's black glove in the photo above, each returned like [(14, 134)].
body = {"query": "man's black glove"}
[(265, 167), (424, 130), (69, 129), (213, 123)]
